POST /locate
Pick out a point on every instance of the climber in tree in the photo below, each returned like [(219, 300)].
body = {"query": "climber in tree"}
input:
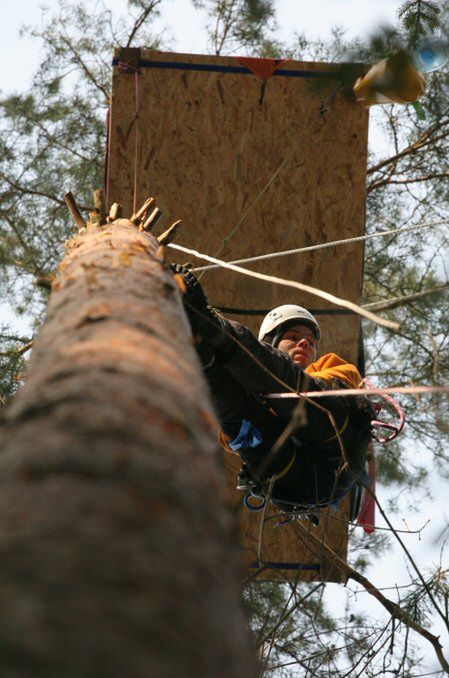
[(314, 460)]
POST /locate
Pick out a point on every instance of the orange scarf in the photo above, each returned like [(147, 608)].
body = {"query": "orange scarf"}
[(331, 366)]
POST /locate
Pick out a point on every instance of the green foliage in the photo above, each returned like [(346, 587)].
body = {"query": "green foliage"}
[(240, 24), (12, 366), (419, 17), (52, 139)]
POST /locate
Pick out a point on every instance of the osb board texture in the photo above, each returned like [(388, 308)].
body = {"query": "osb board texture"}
[(282, 543), (204, 146)]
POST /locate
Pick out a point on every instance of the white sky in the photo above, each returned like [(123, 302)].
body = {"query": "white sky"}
[(316, 17), (19, 57)]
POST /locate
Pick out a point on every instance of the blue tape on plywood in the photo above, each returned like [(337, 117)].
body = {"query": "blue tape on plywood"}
[(215, 68), (284, 566)]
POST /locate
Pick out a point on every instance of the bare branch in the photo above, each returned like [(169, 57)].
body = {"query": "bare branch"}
[(392, 608), (413, 180), (83, 66), (74, 211), (425, 140), (398, 301), (141, 20), (26, 190)]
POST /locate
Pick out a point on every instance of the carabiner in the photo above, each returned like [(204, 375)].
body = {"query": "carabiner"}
[(254, 507)]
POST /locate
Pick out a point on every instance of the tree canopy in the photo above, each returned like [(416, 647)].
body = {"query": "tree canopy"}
[(54, 135)]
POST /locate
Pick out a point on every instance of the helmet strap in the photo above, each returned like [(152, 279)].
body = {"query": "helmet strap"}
[(277, 336)]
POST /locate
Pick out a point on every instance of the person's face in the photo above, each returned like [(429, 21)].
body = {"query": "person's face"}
[(300, 343)]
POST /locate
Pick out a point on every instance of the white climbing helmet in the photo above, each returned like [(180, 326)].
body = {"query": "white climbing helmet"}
[(285, 314)]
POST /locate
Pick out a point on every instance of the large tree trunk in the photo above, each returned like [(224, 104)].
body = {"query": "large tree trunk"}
[(117, 551)]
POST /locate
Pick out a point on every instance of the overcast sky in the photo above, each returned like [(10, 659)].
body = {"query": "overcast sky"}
[(19, 58)]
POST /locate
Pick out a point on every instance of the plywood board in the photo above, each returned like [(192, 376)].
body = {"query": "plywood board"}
[(249, 177)]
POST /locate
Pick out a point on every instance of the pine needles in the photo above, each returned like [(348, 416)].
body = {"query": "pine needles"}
[(419, 17)]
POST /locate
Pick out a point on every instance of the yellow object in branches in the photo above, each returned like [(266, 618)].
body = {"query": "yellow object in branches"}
[(394, 80)]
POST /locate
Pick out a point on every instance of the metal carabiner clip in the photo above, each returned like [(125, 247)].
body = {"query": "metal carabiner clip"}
[(254, 507)]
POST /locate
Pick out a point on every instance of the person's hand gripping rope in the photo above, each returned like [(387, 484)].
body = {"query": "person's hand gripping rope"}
[(209, 328)]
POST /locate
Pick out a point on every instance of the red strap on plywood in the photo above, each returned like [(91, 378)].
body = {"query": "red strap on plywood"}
[(263, 68), (367, 514)]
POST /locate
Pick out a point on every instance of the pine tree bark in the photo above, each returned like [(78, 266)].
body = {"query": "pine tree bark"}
[(117, 550)]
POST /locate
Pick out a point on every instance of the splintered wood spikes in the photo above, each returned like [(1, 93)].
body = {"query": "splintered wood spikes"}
[(140, 215), (145, 218), (74, 211), (170, 234)]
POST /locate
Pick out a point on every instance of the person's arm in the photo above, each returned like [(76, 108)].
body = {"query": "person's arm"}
[(230, 399), (260, 367)]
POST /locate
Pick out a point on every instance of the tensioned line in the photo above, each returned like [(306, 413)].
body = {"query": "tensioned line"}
[(338, 301), (333, 243)]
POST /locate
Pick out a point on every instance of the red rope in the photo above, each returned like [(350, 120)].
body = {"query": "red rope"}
[(378, 423), (106, 157), (367, 513)]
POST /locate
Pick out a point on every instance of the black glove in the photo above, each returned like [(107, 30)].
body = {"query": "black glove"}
[(204, 320), (193, 292)]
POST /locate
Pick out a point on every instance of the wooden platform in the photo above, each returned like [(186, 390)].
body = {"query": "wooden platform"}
[(193, 131)]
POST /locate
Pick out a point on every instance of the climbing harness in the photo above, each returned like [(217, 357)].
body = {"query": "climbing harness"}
[(256, 499)]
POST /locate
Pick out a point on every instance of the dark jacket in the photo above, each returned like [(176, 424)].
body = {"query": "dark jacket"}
[(313, 466)]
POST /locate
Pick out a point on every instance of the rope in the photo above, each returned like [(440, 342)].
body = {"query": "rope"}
[(263, 311), (378, 424), (292, 283), (333, 243), (106, 157), (407, 390), (384, 305), (136, 115)]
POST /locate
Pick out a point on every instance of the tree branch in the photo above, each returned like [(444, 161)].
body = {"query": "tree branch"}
[(141, 20), (398, 301), (383, 182), (31, 191), (17, 351), (392, 608), (50, 137), (422, 142), (83, 66), (14, 337)]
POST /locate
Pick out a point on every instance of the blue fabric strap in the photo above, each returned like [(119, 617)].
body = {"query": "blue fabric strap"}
[(248, 436)]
